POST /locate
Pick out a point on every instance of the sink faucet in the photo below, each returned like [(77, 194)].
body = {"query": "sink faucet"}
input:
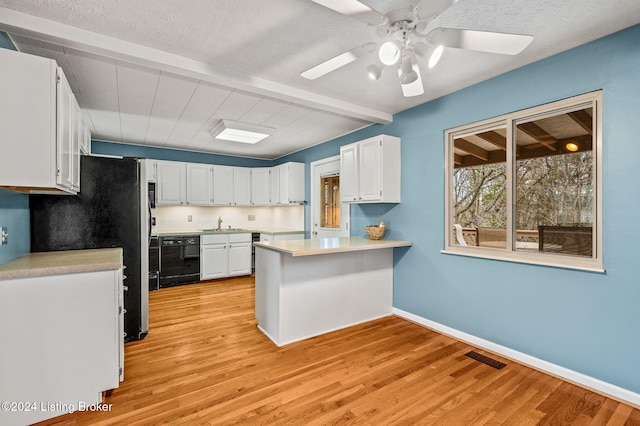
[(219, 222)]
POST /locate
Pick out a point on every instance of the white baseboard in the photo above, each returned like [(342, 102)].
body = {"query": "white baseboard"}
[(591, 383)]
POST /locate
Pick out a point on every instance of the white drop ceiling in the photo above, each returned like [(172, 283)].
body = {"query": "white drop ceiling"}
[(164, 73)]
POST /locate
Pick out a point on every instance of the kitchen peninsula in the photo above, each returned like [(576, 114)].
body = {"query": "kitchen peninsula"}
[(305, 288)]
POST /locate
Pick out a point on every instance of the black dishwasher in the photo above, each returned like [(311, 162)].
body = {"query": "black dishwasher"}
[(179, 260)]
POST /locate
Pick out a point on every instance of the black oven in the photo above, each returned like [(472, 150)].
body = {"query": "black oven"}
[(179, 260)]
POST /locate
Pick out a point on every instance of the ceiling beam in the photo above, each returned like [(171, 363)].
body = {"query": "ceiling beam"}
[(471, 149), (585, 143), (539, 134), (26, 25), (494, 138), (583, 119)]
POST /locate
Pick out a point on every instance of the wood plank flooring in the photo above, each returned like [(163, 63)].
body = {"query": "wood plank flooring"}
[(205, 362)]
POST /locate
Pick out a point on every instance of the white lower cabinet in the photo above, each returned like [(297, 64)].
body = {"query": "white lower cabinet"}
[(225, 255), (62, 343)]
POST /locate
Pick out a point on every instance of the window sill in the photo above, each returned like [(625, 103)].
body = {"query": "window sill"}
[(556, 261)]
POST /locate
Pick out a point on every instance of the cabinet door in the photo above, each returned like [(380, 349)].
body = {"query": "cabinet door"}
[(239, 259), (369, 170), (222, 185), (260, 186), (78, 136), (214, 261), (151, 170), (85, 140), (241, 186), (199, 184), (274, 192), (65, 126), (171, 177), (349, 173), (292, 183)]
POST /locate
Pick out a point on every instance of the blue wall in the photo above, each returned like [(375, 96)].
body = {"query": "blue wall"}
[(587, 322), (14, 215)]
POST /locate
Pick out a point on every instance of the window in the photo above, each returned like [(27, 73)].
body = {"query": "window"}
[(330, 201), (525, 186)]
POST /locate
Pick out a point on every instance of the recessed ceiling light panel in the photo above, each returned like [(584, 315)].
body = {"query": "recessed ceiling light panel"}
[(240, 132)]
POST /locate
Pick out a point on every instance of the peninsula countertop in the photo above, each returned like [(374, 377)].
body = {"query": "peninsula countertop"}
[(329, 245), (62, 262)]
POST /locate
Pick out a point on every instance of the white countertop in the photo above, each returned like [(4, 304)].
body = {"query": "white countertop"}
[(62, 262), (262, 230), (329, 245)]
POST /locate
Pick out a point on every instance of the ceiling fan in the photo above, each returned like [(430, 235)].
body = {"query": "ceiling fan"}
[(403, 36)]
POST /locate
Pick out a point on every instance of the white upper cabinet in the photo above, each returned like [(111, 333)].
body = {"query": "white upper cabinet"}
[(261, 186), (222, 185), (370, 171), (349, 191), (40, 122), (171, 179), (291, 183), (199, 184), (274, 186), (241, 186), (85, 141), (151, 170), (194, 184)]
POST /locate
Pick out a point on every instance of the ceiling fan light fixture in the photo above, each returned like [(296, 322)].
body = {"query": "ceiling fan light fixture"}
[(240, 132), (415, 88), (389, 53), (435, 56), (407, 74), (374, 72)]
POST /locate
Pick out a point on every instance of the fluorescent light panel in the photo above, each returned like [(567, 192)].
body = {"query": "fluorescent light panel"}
[(328, 66), (240, 132)]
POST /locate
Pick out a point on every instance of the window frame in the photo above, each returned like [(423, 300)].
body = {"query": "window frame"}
[(510, 120)]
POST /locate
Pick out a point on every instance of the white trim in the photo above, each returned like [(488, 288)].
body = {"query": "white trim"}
[(91, 42), (510, 120), (580, 379), (345, 209)]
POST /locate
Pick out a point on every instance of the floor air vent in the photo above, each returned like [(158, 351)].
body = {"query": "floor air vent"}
[(486, 360)]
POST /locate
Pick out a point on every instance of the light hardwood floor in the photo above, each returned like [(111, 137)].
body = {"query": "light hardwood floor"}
[(205, 362)]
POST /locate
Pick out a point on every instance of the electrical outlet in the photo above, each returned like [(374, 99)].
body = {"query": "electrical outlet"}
[(251, 218), (189, 218), (5, 235)]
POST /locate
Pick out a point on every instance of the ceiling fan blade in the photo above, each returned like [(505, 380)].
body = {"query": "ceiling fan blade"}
[(415, 88), (354, 9), (483, 41), (337, 61)]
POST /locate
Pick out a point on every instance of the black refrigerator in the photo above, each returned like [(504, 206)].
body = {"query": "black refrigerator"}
[(111, 210)]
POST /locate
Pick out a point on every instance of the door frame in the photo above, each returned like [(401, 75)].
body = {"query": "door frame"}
[(345, 210)]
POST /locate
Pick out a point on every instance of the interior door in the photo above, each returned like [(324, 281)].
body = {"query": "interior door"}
[(329, 217)]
